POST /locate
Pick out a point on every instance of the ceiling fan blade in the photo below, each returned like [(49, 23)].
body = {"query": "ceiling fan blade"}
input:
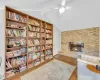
[(68, 7), (63, 2)]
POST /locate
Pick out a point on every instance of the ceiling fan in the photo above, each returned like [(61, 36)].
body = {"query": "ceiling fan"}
[(61, 8)]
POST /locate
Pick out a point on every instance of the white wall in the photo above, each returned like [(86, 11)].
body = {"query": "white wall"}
[(2, 41), (56, 40)]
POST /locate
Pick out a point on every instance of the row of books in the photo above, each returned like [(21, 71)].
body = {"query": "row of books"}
[(33, 42), (34, 35), (33, 56), (48, 52), (49, 41), (15, 62), (48, 27), (34, 49), (16, 70), (48, 46), (16, 43), (33, 28), (49, 57), (35, 63), (15, 53), (39, 48), (49, 31), (34, 22), (48, 36), (15, 33), (16, 25), (15, 16)]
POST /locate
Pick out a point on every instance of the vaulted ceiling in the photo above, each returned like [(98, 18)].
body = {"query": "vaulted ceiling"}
[(83, 14)]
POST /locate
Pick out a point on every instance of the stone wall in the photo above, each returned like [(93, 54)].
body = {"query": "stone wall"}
[(90, 38), (99, 41)]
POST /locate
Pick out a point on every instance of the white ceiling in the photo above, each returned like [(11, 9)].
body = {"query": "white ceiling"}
[(83, 14)]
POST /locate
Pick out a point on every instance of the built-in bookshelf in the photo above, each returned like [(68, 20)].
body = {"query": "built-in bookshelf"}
[(28, 42)]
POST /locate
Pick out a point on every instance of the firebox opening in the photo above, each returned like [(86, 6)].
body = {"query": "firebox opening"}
[(76, 46)]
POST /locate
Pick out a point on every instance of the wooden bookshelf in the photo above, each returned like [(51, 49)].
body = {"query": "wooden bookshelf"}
[(28, 42)]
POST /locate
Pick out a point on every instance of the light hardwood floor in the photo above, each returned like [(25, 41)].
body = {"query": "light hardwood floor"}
[(66, 59)]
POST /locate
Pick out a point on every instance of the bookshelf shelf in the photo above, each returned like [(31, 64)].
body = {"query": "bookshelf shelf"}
[(14, 28), (15, 48), (16, 21), (15, 37), (28, 36), (33, 38), (13, 67), (34, 31), (34, 25), (30, 46), (23, 54), (33, 60)]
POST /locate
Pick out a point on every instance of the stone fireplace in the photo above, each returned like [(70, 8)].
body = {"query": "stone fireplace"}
[(72, 42)]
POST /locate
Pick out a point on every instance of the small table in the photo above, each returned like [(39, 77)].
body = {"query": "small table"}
[(93, 68)]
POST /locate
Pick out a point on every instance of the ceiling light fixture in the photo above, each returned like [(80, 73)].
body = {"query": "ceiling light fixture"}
[(61, 10)]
